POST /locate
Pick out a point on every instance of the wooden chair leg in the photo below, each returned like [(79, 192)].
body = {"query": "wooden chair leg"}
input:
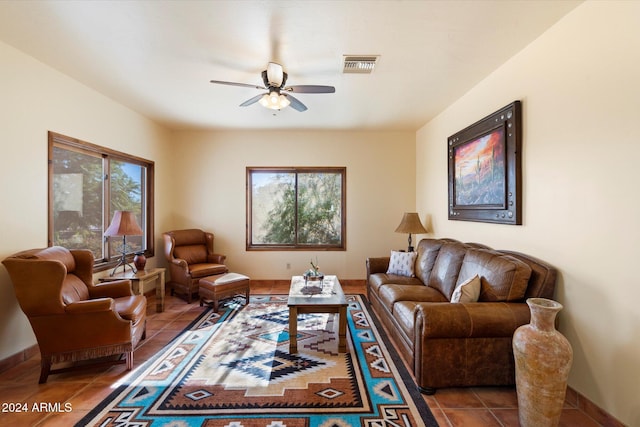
[(45, 367), (129, 358)]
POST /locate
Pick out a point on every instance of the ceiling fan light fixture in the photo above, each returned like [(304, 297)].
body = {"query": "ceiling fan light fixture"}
[(278, 95), (274, 101), (284, 102)]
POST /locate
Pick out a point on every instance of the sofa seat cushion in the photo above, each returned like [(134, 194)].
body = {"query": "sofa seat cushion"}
[(379, 279), (503, 277), (206, 269), (132, 308), (392, 293)]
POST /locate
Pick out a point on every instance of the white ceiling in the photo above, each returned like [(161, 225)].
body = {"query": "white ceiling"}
[(157, 57)]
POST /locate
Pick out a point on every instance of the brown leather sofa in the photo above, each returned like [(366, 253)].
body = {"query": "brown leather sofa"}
[(191, 257), (458, 344), (73, 318)]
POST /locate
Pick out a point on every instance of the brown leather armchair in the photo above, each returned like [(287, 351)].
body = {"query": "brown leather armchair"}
[(74, 319), (191, 257)]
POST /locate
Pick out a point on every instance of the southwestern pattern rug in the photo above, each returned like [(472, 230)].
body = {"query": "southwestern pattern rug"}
[(233, 369)]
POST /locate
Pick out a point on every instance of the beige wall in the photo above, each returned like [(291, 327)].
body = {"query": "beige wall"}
[(212, 182), (581, 101), (34, 100)]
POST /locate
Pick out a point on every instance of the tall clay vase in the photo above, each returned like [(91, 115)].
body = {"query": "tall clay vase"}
[(543, 359)]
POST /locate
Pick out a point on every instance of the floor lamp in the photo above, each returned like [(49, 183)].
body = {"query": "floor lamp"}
[(123, 224), (411, 224)]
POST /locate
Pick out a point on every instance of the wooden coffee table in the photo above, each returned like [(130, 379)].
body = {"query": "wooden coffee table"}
[(311, 298)]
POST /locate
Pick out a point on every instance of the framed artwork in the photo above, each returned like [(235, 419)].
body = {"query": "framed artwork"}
[(485, 169)]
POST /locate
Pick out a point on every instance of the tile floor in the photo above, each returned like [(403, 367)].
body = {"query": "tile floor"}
[(83, 390)]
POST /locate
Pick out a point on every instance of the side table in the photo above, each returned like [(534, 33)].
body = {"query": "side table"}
[(139, 279)]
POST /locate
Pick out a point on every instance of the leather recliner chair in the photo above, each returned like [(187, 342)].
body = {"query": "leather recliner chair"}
[(74, 319), (191, 257)]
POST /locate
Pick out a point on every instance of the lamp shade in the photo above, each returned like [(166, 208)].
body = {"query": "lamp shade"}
[(411, 224), (123, 224)]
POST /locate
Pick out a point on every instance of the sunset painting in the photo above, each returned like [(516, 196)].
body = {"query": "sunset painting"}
[(480, 171)]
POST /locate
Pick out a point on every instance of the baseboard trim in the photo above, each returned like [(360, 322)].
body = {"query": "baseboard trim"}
[(22, 356), (601, 416)]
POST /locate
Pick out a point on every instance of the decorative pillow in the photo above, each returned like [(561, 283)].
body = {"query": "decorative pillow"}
[(467, 291), (504, 278), (402, 263)]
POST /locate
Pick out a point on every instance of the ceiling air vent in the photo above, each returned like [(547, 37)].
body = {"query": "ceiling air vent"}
[(360, 64)]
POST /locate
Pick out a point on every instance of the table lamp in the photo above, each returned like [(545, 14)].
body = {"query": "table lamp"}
[(410, 224), (123, 224)]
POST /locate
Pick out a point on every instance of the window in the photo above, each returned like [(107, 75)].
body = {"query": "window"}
[(296, 208), (87, 184)]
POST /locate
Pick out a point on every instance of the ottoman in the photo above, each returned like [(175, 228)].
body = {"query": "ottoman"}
[(214, 288)]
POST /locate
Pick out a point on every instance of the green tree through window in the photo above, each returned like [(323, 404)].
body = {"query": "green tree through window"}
[(296, 208), (87, 183)]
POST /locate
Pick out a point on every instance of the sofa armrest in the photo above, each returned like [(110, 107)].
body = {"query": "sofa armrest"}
[(113, 289), (469, 320), (180, 263), (377, 265), (91, 306), (216, 258)]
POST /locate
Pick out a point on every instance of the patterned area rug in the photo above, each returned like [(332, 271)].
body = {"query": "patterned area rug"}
[(233, 369)]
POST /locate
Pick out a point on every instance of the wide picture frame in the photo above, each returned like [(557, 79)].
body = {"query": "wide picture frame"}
[(485, 169)]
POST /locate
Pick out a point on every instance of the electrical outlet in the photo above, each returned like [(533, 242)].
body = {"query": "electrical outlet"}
[(288, 266)]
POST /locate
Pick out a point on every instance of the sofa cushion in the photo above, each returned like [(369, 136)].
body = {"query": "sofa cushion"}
[(503, 277), (193, 254), (58, 253), (378, 279), (193, 236), (73, 289), (390, 294), (467, 291), (446, 268), (402, 263), (206, 269), (543, 276), (427, 253)]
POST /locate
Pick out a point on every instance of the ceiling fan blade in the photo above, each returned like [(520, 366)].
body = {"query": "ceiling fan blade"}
[(310, 89), (236, 84), (295, 103), (275, 74), (252, 100)]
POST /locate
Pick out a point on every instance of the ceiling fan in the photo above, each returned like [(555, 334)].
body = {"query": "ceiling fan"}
[(278, 95)]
